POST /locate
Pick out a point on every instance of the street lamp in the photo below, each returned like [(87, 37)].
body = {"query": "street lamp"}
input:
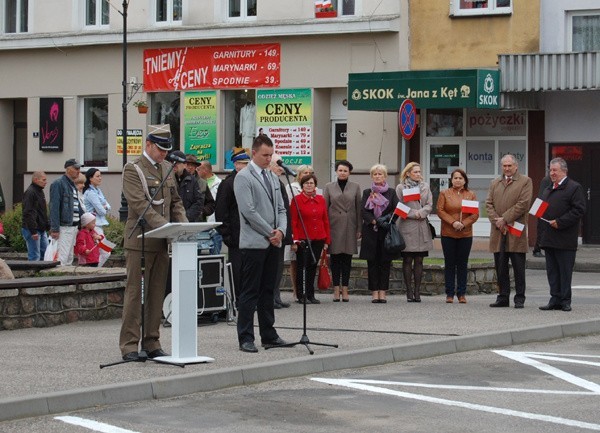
[(123, 210)]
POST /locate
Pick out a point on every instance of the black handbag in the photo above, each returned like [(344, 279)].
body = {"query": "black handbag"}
[(393, 242)]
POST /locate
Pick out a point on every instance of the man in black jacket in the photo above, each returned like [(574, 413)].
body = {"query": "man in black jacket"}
[(35, 217), (226, 212), (189, 191), (566, 206)]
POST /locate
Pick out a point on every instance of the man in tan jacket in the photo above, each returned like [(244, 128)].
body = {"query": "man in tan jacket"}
[(507, 203), (141, 179)]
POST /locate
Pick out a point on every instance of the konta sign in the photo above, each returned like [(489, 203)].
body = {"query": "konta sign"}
[(456, 88)]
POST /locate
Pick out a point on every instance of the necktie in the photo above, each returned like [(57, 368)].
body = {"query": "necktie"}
[(508, 180), (555, 185), (266, 182)]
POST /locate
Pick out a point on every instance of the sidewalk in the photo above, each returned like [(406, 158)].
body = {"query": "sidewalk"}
[(53, 370)]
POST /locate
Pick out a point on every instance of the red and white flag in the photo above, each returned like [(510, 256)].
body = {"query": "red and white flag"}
[(470, 206), (516, 228), (538, 208), (106, 245), (411, 194), (401, 210)]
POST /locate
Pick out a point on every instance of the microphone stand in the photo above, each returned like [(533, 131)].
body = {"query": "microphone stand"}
[(141, 223), (304, 340)]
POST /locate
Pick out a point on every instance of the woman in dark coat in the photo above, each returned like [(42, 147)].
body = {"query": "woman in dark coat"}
[(378, 204)]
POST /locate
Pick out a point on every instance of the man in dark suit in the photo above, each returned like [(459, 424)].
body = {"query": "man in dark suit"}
[(262, 229), (566, 206), (141, 178)]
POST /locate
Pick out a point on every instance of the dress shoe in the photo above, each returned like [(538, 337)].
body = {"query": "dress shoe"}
[(277, 342), (549, 307), (336, 299), (449, 299), (375, 301), (346, 300), (538, 254), (566, 308), (499, 304), (519, 305), (156, 353), (462, 300), (248, 347), (383, 301), (277, 306), (285, 304), (131, 356), (314, 301)]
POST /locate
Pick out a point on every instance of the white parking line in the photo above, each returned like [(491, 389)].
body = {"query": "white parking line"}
[(585, 287), (92, 425)]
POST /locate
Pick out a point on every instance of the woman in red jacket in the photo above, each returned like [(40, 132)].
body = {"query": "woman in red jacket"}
[(313, 210)]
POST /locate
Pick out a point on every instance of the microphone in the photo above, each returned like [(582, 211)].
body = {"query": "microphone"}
[(286, 168), (174, 158)]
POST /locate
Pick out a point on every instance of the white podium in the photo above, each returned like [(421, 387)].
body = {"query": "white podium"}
[(184, 282)]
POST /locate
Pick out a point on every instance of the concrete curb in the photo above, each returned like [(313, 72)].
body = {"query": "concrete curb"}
[(167, 387)]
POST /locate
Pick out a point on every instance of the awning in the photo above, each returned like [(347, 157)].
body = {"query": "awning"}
[(454, 88)]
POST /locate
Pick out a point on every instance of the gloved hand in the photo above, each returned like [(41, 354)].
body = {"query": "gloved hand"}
[(383, 222)]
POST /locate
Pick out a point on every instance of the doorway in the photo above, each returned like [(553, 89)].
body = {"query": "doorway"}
[(581, 158)]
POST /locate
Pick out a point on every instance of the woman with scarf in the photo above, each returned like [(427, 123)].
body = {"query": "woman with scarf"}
[(314, 218), (378, 204), (96, 203), (415, 194)]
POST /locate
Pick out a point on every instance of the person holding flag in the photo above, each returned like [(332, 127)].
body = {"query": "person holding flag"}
[(377, 204), (507, 204), (414, 193), (566, 206), (458, 210)]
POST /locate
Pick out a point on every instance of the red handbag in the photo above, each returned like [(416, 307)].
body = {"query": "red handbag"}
[(324, 281)]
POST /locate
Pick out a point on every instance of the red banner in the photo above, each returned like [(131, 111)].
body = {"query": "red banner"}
[(220, 67)]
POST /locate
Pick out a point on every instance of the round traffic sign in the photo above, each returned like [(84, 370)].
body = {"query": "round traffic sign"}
[(407, 118)]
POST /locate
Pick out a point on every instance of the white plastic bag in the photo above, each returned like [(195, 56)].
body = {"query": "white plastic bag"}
[(51, 254)]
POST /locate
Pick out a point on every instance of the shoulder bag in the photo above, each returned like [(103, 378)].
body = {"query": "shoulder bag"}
[(393, 242)]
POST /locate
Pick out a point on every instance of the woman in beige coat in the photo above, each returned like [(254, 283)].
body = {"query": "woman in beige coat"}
[(342, 199), (415, 228)]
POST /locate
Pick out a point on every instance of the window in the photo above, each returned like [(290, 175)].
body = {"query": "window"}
[(164, 108), (345, 7), (169, 11), (585, 33), (242, 9), (240, 122), (16, 16), (480, 7), (95, 132), (96, 13)]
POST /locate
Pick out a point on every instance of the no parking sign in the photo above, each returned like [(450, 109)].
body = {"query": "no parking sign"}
[(407, 118)]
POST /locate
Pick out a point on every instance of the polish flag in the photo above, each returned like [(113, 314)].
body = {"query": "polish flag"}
[(470, 206), (516, 229), (411, 194), (538, 208), (401, 210), (106, 245)]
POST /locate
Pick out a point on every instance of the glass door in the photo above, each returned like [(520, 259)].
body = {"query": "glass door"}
[(443, 156)]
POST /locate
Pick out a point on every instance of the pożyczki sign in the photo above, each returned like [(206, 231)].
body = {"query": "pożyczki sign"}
[(456, 88)]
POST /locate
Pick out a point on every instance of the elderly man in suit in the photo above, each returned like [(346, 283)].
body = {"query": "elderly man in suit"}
[(566, 206), (141, 180), (507, 203), (262, 230)]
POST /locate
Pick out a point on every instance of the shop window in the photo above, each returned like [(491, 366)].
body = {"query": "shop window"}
[(480, 7), (96, 13), (16, 14), (240, 122), (242, 9), (585, 33), (445, 123), (95, 132), (169, 11), (164, 109), (334, 8)]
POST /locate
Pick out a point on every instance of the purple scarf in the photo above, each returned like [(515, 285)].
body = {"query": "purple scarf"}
[(376, 201)]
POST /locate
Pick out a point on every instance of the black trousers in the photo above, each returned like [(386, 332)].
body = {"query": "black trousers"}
[(559, 269), (259, 271), (456, 260), (341, 265), (502, 272), (304, 258)]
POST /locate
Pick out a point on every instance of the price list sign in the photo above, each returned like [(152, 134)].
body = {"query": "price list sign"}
[(285, 115)]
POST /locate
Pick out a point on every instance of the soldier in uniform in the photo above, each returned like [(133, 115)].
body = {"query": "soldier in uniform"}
[(141, 179)]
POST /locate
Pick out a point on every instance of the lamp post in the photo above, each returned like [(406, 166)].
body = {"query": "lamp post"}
[(123, 209)]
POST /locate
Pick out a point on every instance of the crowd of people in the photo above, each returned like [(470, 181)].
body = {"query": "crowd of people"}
[(265, 222)]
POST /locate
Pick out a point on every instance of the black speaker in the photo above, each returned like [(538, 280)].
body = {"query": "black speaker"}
[(211, 283)]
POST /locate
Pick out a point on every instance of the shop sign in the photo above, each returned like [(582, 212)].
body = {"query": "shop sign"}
[(568, 153), (135, 141), (341, 141), (200, 125), (216, 67), (489, 123), (457, 88), (51, 124), (285, 115)]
